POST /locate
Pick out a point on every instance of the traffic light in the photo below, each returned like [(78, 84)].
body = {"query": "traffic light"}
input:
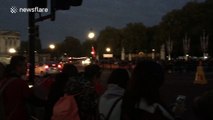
[(40, 3), (65, 4)]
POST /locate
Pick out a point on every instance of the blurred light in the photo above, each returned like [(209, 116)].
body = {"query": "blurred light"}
[(46, 66), (52, 46), (12, 50), (91, 35), (108, 49), (59, 66), (30, 86), (153, 50), (86, 62)]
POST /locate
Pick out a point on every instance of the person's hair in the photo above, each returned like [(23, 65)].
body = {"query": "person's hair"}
[(147, 78), (92, 71), (203, 106), (70, 69), (17, 60), (120, 77)]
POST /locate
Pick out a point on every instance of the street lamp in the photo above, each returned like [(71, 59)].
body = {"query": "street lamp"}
[(52, 47), (108, 50), (12, 50), (91, 36), (153, 54)]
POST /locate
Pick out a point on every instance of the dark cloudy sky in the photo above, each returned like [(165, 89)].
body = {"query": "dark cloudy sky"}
[(93, 14)]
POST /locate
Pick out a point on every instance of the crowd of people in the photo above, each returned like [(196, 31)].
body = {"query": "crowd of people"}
[(128, 95)]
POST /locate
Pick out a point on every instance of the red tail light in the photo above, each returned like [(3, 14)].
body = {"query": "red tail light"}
[(59, 66)]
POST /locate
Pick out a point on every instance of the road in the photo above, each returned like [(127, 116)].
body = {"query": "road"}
[(179, 84), (182, 84)]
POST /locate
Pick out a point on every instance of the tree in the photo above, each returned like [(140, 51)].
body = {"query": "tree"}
[(71, 46), (134, 37), (110, 37)]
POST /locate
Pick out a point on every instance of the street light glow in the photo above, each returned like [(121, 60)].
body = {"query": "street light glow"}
[(91, 35), (108, 49), (12, 50), (52, 46)]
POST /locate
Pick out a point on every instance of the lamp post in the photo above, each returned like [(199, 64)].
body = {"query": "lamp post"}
[(108, 50), (91, 36), (153, 53), (52, 47)]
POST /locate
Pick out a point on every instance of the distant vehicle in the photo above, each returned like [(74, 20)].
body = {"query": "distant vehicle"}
[(53, 67), (78, 61), (48, 68)]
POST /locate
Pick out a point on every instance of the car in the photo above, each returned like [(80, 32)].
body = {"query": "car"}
[(53, 67), (48, 68)]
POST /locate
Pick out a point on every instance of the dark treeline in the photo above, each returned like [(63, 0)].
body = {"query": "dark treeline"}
[(192, 21)]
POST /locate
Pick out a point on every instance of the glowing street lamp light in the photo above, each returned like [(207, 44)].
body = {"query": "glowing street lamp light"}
[(91, 35), (12, 50), (52, 46), (108, 49)]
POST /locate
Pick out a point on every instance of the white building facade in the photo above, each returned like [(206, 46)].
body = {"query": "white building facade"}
[(8, 40)]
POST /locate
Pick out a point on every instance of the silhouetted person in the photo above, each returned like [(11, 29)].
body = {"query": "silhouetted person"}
[(142, 100), (57, 89), (92, 74), (117, 84), (17, 93)]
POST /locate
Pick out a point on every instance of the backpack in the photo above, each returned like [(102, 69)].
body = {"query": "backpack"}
[(3, 85), (85, 97), (87, 102), (65, 109)]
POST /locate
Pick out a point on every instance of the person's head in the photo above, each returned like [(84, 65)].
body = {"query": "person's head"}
[(92, 72), (147, 77), (18, 65), (70, 70), (203, 106), (119, 77)]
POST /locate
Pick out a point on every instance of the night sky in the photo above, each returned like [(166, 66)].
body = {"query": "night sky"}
[(93, 14)]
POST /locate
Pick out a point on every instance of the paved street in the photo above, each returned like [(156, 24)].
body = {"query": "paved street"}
[(180, 84)]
